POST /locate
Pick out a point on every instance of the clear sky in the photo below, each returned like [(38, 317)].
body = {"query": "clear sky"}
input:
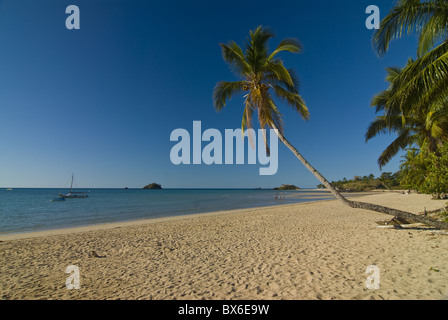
[(103, 100)]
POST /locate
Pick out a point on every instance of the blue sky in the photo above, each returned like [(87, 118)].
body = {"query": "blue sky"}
[(103, 100)]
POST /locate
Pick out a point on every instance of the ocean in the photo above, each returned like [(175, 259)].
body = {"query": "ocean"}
[(31, 209)]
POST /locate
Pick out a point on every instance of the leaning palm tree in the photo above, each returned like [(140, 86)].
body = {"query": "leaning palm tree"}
[(263, 76)]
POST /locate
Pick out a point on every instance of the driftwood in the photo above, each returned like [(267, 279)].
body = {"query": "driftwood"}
[(407, 216), (394, 222)]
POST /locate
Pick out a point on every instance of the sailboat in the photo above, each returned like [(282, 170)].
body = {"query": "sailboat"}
[(72, 194)]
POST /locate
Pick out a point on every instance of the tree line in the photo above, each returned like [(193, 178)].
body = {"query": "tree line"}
[(387, 181)]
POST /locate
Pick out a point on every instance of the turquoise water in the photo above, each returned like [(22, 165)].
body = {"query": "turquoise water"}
[(25, 210)]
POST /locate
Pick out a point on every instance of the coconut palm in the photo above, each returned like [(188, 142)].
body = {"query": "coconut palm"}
[(425, 81), (416, 131), (426, 125), (263, 77), (428, 18)]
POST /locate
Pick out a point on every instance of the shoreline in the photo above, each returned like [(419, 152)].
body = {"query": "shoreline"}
[(138, 222), (119, 224)]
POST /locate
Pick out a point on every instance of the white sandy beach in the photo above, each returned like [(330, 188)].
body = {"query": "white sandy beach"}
[(306, 251)]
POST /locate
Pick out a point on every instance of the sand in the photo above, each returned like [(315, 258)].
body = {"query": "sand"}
[(295, 252)]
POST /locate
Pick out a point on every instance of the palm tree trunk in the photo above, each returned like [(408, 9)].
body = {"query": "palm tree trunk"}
[(316, 173), (403, 215)]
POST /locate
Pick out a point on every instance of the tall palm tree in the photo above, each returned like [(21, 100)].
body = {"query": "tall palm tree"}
[(263, 76), (425, 81), (426, 125)]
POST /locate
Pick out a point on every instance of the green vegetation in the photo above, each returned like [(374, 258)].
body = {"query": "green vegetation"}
[(424, 126), (387, 180), (415, 105), (426, 172), (444, 215), (420, 171), (287, 187), (424, 81), (153, 186)]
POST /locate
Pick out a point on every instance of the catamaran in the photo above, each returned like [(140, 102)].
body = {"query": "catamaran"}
[(72, 194)]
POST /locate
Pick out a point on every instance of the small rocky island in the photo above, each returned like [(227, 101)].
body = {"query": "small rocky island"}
[(287, 187), (153, 186)]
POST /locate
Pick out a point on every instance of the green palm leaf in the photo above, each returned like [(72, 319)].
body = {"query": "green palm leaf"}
[(410, 16), (291, 45), (404, 139), (294, 100), (420, 79), (234, 56), (261, 72), (225, 90), (423, 124)]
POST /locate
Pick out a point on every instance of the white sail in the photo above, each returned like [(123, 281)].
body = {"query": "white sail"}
[(73, 195)]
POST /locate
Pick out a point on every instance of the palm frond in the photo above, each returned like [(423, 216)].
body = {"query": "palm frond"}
[(290, 45), (435, 30), (276, 116), (257, 49), (224, 91), (234, 56), (421, 77), (273, 79), (406, 17), (437, 123), (247, 116), (400, 143), (277, 69), (262, 72), (246, 124), (380, 101), (294, 100), (385, 124), (379, 125)]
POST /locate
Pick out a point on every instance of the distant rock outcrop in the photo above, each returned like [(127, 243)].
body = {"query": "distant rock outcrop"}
[(287, 187), (153, 186)]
